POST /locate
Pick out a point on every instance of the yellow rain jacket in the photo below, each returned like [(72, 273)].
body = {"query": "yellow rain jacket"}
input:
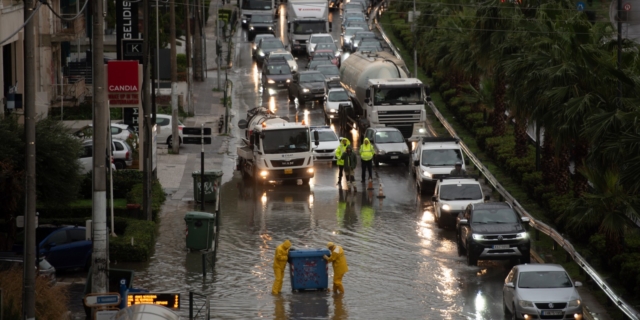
[(279, 264), (340, 266), (366, 150), (344, 143)]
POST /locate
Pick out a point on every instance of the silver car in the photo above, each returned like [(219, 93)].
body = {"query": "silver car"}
[(541, 291)]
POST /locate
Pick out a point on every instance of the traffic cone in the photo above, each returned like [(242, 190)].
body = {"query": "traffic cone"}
[(381, 191), (370, 185)]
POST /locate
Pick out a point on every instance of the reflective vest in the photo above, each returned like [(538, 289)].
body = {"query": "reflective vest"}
[(341, 149), (366, 152)]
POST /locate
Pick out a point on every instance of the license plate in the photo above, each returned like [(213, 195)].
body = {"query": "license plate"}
[(280, 84), (288, 171), (288, 199), (501, 246), (552, 313), (394, 157)]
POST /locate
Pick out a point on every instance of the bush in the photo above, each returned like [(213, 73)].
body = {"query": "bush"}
[(517, 167), (482, 134), (474, 120), (51, 302), (157, 197), (181, 62), (530, 181), (124, 180), (119, 224), (444, 86), (448, 94), (143, 234)]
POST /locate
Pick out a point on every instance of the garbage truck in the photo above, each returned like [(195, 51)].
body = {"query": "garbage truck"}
[(275, 149), (305, 17), (382, 94)]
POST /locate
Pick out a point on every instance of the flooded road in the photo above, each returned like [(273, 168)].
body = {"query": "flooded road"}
[(401, 266)]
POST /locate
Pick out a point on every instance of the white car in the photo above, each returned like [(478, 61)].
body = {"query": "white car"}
[(316, 38), (164, 129), (434, 158), (118, 131), (348, 33), (86, 158), (287, 56), (329, 142), (452, 196), (332, 101)]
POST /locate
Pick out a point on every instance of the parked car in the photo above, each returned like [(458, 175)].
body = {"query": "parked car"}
[(118, 131), (453, 195), (293, 64), (541, 291), (122, 153), (86, 158), (10, 260), (307, 85), (64, 247), (164, 133), (260, 24), (317, 38), (388, 145), (492, 231), (276, 73), (266, 46), (332, 101), (329, 142)]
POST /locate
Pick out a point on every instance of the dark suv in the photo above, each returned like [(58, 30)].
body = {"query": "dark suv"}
[(261, 23), (306, 86), (276, 73), (492, 231)]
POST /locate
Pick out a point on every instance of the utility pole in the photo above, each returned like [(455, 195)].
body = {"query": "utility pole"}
[(101, 158), (29, 287), (619, 51), (174, 80), (415, 41), (146, 109), (218, 44), (198, 74), (188, 41)]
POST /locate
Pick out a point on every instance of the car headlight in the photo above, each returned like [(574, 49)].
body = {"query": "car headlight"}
[(250, 27), (271, 81), (526, 304), (288, 80), (347, 40), (381, 152), (333, 110), (264, 173), (244, 20), (574, 303), (305, 90), (405, 151), (476, 236), (446, 207), (337, 53), (270, 28), (355, 45), (261, 53), (522, 235), (427, 174), (310, 170)]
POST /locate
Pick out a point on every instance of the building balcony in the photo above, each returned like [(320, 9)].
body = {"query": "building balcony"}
[(69, 94), (68, 30)]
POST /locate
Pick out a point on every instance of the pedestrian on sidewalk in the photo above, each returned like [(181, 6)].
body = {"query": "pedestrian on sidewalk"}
[(342, 148), (350, 163), (340, 266), (279, 264), (366, 158)]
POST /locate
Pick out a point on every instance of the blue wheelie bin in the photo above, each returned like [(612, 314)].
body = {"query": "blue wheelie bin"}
[(308, 269)]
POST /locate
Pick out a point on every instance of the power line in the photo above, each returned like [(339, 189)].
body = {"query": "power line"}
[(23, 25)]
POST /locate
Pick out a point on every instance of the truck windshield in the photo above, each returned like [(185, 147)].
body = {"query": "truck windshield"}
[(256, 5), (441, 157), (289, 140), (460, 192), (261, 18), (302, 27), (399, 95)]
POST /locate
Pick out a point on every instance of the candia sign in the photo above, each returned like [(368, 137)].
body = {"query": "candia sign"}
[(123, 83)]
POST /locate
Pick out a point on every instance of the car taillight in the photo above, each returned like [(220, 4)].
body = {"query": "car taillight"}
[(127, 155), (180, 128)]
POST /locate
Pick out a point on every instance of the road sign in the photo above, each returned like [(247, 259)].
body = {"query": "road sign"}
[(102, 299), (169, 300), (195, 131), (132, 49), (580, 6), (196, 140), (626, 6)]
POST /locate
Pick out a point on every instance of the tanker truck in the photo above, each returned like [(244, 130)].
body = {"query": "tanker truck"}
[(382, 94), (275, 149)]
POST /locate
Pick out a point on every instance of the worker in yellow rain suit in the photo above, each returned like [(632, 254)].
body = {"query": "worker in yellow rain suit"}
[(279, 263), (342, 148), (340, 266)]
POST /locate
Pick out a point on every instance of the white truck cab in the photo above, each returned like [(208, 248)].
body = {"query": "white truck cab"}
[(434, 158), (452, 195)]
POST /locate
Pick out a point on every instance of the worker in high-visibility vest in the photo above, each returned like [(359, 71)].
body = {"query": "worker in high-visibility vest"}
[(342, 148), (366, 158)]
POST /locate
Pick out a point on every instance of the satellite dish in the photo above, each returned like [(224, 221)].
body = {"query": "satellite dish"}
[(630, 17)]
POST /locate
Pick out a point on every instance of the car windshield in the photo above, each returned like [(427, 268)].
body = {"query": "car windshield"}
[(351, 31), (490, 216), (312, 77), (397, 95), (261, 18), (460, 192), (322, 55), (354, 18), (364, 35), (262, 36), (328, 70), (326, 46), (287, 56), (368, 49), (309, 27), (544, 279), (327, 135), (292, 140), (370, 43), (441, 157), (319, 62), (389, 137), (271, 44), (321, 39), (256, 5), (278, 69), (338, 96)]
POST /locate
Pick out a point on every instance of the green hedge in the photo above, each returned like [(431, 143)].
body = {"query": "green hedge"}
[(123, 181), (143, 234), (157, 196)]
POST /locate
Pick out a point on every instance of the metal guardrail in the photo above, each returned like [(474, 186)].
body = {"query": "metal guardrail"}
[(373, 17), (538, 225)]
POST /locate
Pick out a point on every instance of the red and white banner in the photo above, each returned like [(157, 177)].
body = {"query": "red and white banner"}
[(124, 83)]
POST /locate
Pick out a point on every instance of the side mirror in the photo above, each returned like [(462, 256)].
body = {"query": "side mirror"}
[(330, 26), (366, 100), (367, 92), (316, 137), (509, 285), (525, 219), (242, 124), (49, 245), (434, 199), (578, 284), (486, 198), (416, 162), (463, 222)]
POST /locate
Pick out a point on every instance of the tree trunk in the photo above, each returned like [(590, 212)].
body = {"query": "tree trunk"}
[(547, 162), (522, 139), (580, 182), (499, 126), (562, 174)]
